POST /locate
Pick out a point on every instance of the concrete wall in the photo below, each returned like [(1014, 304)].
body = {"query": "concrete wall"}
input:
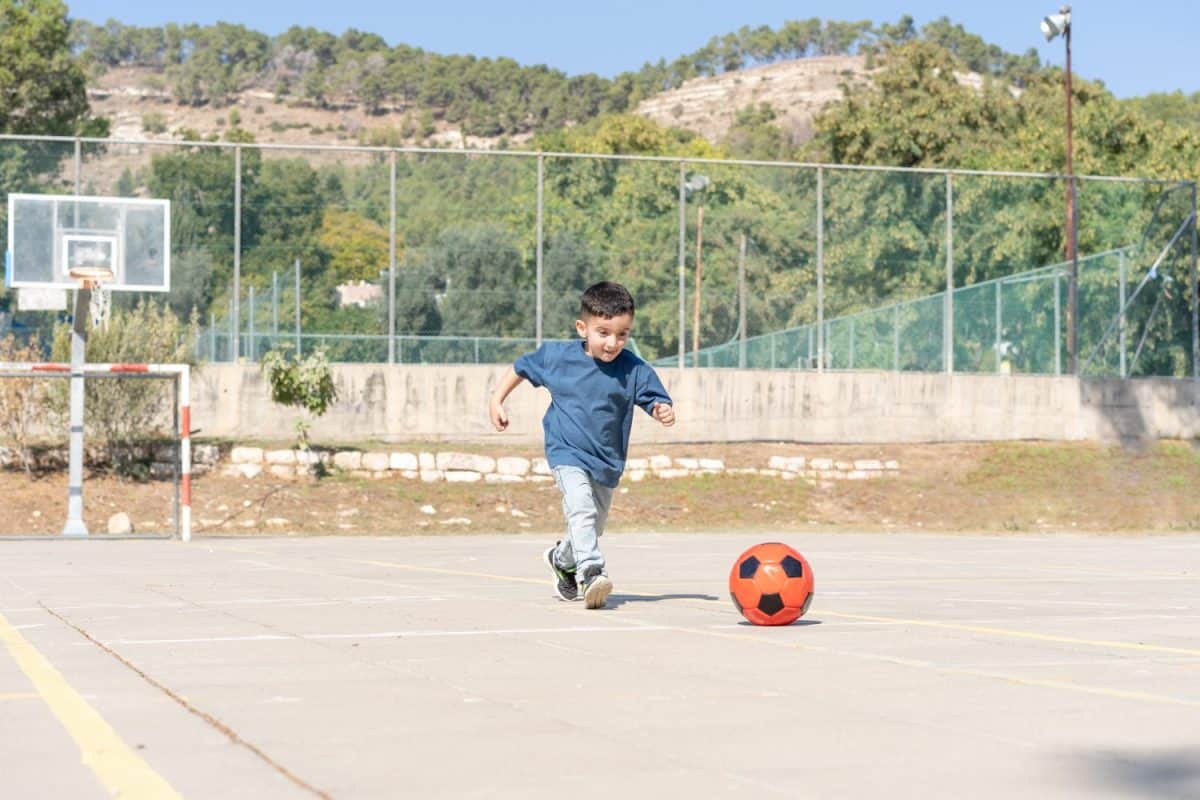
[(449, 403)]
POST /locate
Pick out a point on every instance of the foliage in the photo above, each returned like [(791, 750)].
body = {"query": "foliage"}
[(43, 86), (1175, 108), (154, 122), (305, 383), (124, 412), (482, 96), (357, 246), (22, 400)]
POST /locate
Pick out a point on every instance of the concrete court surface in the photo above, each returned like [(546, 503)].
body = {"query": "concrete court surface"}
[(928, 666)]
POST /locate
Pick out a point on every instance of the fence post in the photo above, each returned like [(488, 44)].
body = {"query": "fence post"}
[(212, 336), (274, 307), (896, 338), (392, 257), (850, 359), (1121, 322), (948, 305), (78, 171), (237, 250), (999, 324), (820, 273), (742, 304), (251, 349), (1195, 293), (682, 260), (1058, 324), (541, 210), (299, 350)]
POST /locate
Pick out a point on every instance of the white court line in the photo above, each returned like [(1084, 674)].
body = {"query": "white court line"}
[(248, 601), (410, 634)]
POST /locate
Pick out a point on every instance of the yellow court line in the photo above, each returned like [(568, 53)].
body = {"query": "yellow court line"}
[(121, 771), (1016, 634)]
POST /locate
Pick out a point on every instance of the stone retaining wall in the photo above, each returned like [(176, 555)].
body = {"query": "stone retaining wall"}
[(455, 467)]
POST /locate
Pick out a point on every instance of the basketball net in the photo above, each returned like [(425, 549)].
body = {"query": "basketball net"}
[(100, 306)]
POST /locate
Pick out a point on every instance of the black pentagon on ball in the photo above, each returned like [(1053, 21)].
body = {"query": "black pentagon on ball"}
[(791, 567), (748, 567), (770, 604)]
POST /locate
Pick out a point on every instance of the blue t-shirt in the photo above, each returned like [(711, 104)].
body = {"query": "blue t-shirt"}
[(591, 405)]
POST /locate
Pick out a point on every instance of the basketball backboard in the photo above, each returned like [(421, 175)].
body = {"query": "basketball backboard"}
[(55, 241)]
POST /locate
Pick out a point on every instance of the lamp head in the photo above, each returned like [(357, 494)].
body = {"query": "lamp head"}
[(1056, 24), (697, 183)]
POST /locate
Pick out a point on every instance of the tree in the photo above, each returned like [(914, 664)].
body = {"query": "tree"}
[(43, 88), (357, 247)]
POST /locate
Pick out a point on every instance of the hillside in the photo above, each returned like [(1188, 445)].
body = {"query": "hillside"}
[(797, 90), (139, 104)]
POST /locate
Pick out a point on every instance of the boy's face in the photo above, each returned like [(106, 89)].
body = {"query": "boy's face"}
[(604, 337)]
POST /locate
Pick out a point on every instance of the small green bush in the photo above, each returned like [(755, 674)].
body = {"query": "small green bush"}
[(154, 122), (305, 383)]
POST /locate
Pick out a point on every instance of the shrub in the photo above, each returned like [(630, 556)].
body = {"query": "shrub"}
[(22, 400), (305, 383), (122, 412), (154, 122)]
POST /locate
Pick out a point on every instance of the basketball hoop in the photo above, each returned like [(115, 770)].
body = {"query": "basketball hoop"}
[(91, 276)]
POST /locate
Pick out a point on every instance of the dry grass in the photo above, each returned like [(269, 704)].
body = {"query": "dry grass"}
[(998, 487)]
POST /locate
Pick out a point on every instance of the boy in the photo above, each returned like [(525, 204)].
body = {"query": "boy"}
[(594, 385)]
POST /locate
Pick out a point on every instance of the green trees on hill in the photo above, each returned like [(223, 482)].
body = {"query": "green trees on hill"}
[(484, 96)]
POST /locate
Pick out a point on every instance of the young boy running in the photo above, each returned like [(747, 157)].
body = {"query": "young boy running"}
[(594, 386)]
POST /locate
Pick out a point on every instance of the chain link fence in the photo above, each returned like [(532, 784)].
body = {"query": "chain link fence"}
[(414, 255)]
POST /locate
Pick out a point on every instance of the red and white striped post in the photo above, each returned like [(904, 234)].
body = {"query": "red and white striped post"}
[(182, 375)]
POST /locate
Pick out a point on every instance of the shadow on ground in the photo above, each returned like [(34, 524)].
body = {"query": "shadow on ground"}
[(616, 600), (1168, 775)]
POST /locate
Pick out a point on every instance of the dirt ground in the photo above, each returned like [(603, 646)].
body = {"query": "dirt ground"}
[(1018, 486)]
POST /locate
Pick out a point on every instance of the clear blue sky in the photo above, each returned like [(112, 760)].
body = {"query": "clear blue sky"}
[(1133, 47)]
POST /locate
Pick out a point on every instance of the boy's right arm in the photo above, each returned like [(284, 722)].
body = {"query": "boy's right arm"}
[(508, 381)]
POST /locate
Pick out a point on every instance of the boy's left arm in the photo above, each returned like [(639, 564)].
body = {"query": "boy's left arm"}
[(653, 398)]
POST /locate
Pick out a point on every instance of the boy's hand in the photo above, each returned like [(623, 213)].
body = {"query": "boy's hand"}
[(498, 416), (664, 414)]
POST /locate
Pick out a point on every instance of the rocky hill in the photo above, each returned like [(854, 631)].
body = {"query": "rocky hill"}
[(797, 90), (138, 102)]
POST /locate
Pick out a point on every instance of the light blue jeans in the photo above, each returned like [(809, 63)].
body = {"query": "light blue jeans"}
[(585, 505)]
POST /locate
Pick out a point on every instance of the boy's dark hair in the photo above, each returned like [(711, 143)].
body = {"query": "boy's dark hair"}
[(605, 299)]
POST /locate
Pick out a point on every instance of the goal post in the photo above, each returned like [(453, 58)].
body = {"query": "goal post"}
[(178, 374)]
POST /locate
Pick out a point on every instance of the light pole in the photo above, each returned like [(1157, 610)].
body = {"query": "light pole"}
[(698, 183), (1060, 25)]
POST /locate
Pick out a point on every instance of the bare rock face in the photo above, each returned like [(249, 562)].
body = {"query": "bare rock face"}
[(797, 90)]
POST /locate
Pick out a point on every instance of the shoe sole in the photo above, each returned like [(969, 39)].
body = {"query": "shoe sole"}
[(549, 554), (597, 593)]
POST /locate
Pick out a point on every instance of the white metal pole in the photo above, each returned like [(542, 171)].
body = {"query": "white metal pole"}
[(75, 525)]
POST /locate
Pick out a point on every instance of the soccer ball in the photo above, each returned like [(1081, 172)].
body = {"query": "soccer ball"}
[(771, 584)]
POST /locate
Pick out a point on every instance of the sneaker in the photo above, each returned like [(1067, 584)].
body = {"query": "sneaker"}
[(564, 580), (596, 587)]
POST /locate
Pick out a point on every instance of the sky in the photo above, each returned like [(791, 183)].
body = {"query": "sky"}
[(1132, 53)]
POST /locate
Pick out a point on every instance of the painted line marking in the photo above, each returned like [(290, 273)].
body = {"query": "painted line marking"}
[(973, 673), (409, 634), (1015, 679), (18, 696), (1018, 634), (121, 771)]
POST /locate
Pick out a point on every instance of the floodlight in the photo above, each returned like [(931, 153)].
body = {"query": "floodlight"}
[(1056, 24)]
